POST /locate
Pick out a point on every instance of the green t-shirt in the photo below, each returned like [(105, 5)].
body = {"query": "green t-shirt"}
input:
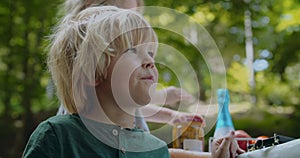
[(67, 136)]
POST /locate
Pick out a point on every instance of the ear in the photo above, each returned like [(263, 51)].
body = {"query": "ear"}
[(97, 82), (94, 84)]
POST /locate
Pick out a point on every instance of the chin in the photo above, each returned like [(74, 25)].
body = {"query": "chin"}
[(141, 96), (143, 101)]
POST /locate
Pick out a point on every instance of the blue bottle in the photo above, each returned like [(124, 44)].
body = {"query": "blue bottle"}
[(224, 122)]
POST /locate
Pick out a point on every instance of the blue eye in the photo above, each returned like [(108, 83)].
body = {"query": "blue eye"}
[(151, 54)]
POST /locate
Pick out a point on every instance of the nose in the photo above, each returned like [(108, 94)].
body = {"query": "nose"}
[(148, 63)]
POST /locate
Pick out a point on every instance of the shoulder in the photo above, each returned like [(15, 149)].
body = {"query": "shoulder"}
[(61, 122), (46, 138), (63, 119), (42, 142), (47, 127), (65, 125)]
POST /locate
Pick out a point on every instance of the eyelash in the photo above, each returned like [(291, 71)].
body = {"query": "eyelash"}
[(133, 50), (151, 54)]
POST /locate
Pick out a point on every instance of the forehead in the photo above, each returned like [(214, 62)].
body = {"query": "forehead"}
[(143, 37), (149, 46)]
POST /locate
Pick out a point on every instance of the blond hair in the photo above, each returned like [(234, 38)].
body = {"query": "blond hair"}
[(75, 6), (82, 45)]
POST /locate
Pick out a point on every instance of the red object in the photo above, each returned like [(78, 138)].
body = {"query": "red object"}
[(262, 137), (242, 134), (197, 119)]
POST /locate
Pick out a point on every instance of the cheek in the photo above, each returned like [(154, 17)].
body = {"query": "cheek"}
[(155, 74), (126, 66)]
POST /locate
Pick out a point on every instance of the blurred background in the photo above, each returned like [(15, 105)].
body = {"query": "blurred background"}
[(258, 40)]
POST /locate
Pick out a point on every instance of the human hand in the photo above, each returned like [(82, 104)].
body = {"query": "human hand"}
[(174, 95), (226, 147), (179, 117)]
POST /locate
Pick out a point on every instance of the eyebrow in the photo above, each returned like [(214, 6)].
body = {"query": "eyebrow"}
[(132, 49), (151, 53)]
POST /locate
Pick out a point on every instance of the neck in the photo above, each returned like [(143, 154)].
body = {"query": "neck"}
[(121, 115)]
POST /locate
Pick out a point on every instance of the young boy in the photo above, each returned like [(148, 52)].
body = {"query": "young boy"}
[(169, 95), (102, 63)]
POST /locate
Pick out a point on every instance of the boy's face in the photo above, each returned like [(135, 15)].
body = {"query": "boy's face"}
[(133, 73)]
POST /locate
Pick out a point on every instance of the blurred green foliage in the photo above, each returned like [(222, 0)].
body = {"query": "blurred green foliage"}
[(26, 97)]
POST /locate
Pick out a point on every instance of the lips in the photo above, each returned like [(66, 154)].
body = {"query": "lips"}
[(148, 78)]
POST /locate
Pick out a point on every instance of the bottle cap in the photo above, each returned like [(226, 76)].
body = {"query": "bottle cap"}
[(197, 119)]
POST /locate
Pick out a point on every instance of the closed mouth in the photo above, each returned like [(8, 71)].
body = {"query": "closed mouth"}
[(148, 78)]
